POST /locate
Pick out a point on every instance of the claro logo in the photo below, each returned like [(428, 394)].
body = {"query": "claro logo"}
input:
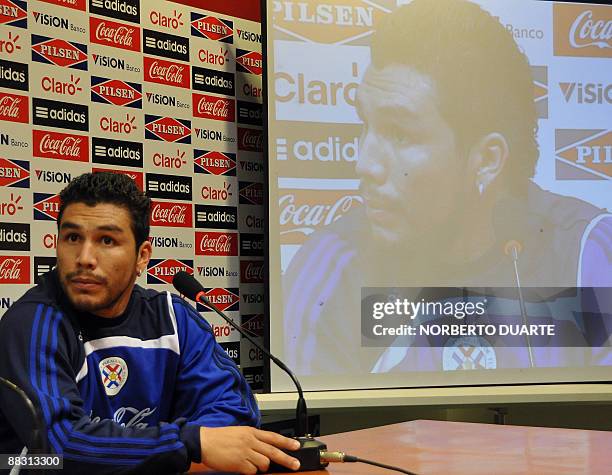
[(582, 30)]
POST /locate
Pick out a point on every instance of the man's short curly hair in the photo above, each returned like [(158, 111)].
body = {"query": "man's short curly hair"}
[(113, 188), (483, 79)]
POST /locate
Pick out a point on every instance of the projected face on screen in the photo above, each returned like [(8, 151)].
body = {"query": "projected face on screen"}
[(473, 148), (410, 170)]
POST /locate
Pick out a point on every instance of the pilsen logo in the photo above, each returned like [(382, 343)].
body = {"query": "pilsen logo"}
[(116, 92), (211, 243), (14, 269), (171, 214), (253, 324), (165, 72), (214, 163), (212, 28), (138, 177), (250, 140), (251, 272), (250, 193), (167, 129), (46, 206), (226, 300), (583, 154), (214, 108), (14, 173), (249, 62), (14, 108), (60, 146), (14, 13), (540, 90), (74, 4), (161, 271), (67, 54), (582, 30), (111, 33), (302, 212), (322, 21)]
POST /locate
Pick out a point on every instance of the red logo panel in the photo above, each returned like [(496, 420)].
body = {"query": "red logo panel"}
[(178, 215), (211, 243), (60, 146), (111, 33), (14, 269), (136, 176), (166, 72), (214, 108), (14, 108), (74, 4)]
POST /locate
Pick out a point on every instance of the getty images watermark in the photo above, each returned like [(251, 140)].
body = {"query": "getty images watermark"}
[(538, 317)]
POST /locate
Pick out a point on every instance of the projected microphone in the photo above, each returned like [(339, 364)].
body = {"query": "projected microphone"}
[(37, 444), (309, 452), (513, 248)]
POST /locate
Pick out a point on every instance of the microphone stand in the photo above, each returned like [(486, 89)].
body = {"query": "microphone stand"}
[(37, 443), (309, 453), (514, 248)]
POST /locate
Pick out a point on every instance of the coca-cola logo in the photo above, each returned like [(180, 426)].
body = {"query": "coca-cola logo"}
[(586, 31), (582, 30), (171, 214), (166, 72), (251, 272), (214, 108), (216, 244), (300, 219), (60, 146), (250, 140), (138, 177), (115, 34), (14, 269), (74, 4), (14, 108)]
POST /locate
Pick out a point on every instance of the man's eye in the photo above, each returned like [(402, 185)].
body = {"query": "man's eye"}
[(107, 240), (72, 237)]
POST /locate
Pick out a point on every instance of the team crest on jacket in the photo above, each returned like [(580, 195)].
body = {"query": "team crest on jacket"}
[(114, 374), (468, 353)]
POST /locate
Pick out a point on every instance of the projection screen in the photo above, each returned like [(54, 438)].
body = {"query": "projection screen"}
[(440, 194)]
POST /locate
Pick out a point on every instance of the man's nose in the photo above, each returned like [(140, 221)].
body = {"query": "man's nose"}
[(87, 256), (371, 162)]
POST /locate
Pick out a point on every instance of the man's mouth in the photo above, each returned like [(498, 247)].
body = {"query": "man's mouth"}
[(84, 283)]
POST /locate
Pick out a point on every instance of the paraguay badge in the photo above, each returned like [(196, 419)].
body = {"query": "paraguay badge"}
[(114, 374), (468, 353)]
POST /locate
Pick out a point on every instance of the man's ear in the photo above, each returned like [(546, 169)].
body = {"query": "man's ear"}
[(487, 159), (144, 255)]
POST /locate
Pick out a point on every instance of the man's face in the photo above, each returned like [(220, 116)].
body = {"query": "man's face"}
[(96, 258), (409, 166)]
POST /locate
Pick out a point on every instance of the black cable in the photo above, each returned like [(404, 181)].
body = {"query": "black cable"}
[(336, 456)]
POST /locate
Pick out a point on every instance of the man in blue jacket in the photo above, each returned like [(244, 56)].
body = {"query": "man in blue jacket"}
[(125, 378)]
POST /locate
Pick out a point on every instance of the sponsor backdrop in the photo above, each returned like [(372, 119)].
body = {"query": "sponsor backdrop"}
[(166, 93), (317, 54)]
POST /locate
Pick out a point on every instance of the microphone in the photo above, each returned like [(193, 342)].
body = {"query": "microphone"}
[(38, 442), (513, 248), (309, 452)]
